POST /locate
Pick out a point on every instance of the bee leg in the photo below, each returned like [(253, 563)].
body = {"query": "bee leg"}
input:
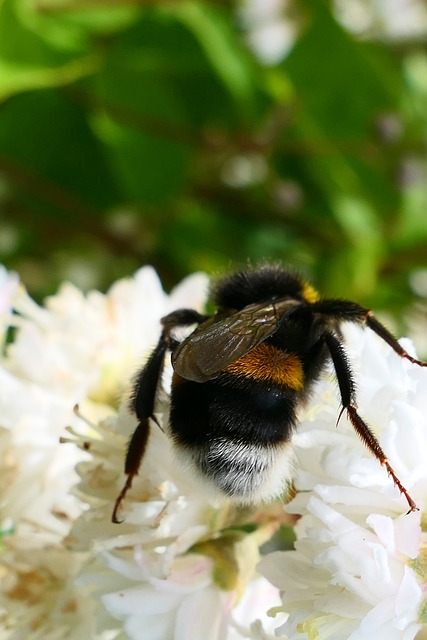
[(144, 394), (388, 337), (137, 443), (348, 399), (142, 403), (353, 312)]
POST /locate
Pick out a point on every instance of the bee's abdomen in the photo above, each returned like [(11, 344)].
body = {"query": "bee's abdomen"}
[(238, 409), (236, 433)]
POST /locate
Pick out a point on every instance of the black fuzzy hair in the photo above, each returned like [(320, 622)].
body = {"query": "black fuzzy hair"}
[(268, 282)]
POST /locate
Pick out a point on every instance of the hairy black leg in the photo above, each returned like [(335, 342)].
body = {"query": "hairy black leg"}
[(342, 310), (388, 337), (142, 403), (144, 395), (348, 399), (182, 318)]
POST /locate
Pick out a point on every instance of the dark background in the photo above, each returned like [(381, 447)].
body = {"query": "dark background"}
[(197, 135)]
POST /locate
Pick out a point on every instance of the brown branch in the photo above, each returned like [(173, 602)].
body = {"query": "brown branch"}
[(87, 5), (46, 190), (220, 141), (46, 7), (129, 117), (77, 214)]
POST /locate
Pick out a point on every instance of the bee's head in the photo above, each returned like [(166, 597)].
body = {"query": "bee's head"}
[(263, 284)]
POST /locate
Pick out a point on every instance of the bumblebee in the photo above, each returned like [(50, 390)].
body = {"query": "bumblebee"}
[(240, 377)]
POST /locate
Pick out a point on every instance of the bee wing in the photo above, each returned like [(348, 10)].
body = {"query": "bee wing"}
[(220, 341)]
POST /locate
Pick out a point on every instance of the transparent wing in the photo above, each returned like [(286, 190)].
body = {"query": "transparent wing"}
[(222, 340)]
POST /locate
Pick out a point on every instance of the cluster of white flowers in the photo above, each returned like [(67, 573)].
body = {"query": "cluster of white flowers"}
[(182, 566), (359, 568), (174, 569), (271, 32), (385, 19), (272, 26)]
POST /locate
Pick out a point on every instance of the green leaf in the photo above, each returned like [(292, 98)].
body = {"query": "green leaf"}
[(148, 168), (20, 44), (83, 17), (28, 61), (160, 47), (53, 154), (142, 121), (222, 47), (342, 83), (18, 78), (341, 87)]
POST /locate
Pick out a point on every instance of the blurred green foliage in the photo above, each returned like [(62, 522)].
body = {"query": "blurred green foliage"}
[(150, 132)]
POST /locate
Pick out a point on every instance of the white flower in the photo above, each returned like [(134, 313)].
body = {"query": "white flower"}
[(88, 346), (359, 568), (9, 283), (182, 565), (270, 33), (179, 566), (392, 19), (76, 349), (179, 563)]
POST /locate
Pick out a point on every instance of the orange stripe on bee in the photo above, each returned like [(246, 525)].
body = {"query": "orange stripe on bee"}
[(269, 364)]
